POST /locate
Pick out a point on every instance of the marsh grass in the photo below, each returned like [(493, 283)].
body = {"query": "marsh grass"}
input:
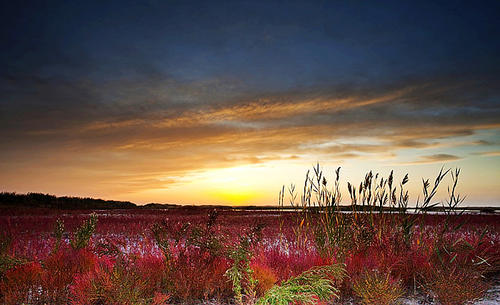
[(374, 288), (315, 284), (380, 217), (378, 250), (378, 204)]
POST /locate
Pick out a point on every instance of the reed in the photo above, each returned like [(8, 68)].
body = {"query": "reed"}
[(376, 205)]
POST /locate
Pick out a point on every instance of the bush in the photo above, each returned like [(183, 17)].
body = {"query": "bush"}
[(195, 259), (20, 284), (265, 278), (82, 235), (315, 284), (195, 275), (456, 287), (375, 288), (109, 283), (60, 268), (152, 269)]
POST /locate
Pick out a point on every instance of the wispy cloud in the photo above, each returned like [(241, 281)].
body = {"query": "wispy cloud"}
[(167, 128), (489, 153), (437, 158)]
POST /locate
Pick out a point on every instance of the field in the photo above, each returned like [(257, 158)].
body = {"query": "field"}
[(243, 257), (310, 250)]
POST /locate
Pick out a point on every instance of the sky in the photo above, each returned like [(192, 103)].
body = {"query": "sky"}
[(206, 102)]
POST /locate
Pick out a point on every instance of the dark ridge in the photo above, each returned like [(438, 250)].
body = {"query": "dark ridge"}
[(38, 200)]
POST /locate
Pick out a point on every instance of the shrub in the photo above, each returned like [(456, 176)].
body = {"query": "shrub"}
[(195, 259), (195, 275), (58, 234), (375, 288), (82, 235), (60, 269), (160, 299), (240, 272), (315, 284), (7, 261), (152, 269), (287, 260), (265, 278), (20, 284), (109, 283), (412, 266), (459, 263), (456, 287)]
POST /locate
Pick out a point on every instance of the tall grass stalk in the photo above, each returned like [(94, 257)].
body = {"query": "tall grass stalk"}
[(376, 205)]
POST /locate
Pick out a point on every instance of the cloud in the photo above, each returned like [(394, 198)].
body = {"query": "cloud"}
[(483, 143), (130, 133), (489, 153), (436, 158)]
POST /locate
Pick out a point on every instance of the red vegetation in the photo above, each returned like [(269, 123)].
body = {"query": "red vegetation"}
[(265, 278), (125, 264)]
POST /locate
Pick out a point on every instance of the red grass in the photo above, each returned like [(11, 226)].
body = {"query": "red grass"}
[(123, 263), (265, 278), (20, 284), (195, 275)]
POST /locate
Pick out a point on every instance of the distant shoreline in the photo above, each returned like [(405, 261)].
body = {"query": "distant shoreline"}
[(39, 200)]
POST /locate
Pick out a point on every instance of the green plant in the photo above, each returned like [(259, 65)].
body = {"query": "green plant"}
[(82, 235), (7, 261), (317, 283), (240, 273), (207, 240), (58, 234), (169, 235)]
